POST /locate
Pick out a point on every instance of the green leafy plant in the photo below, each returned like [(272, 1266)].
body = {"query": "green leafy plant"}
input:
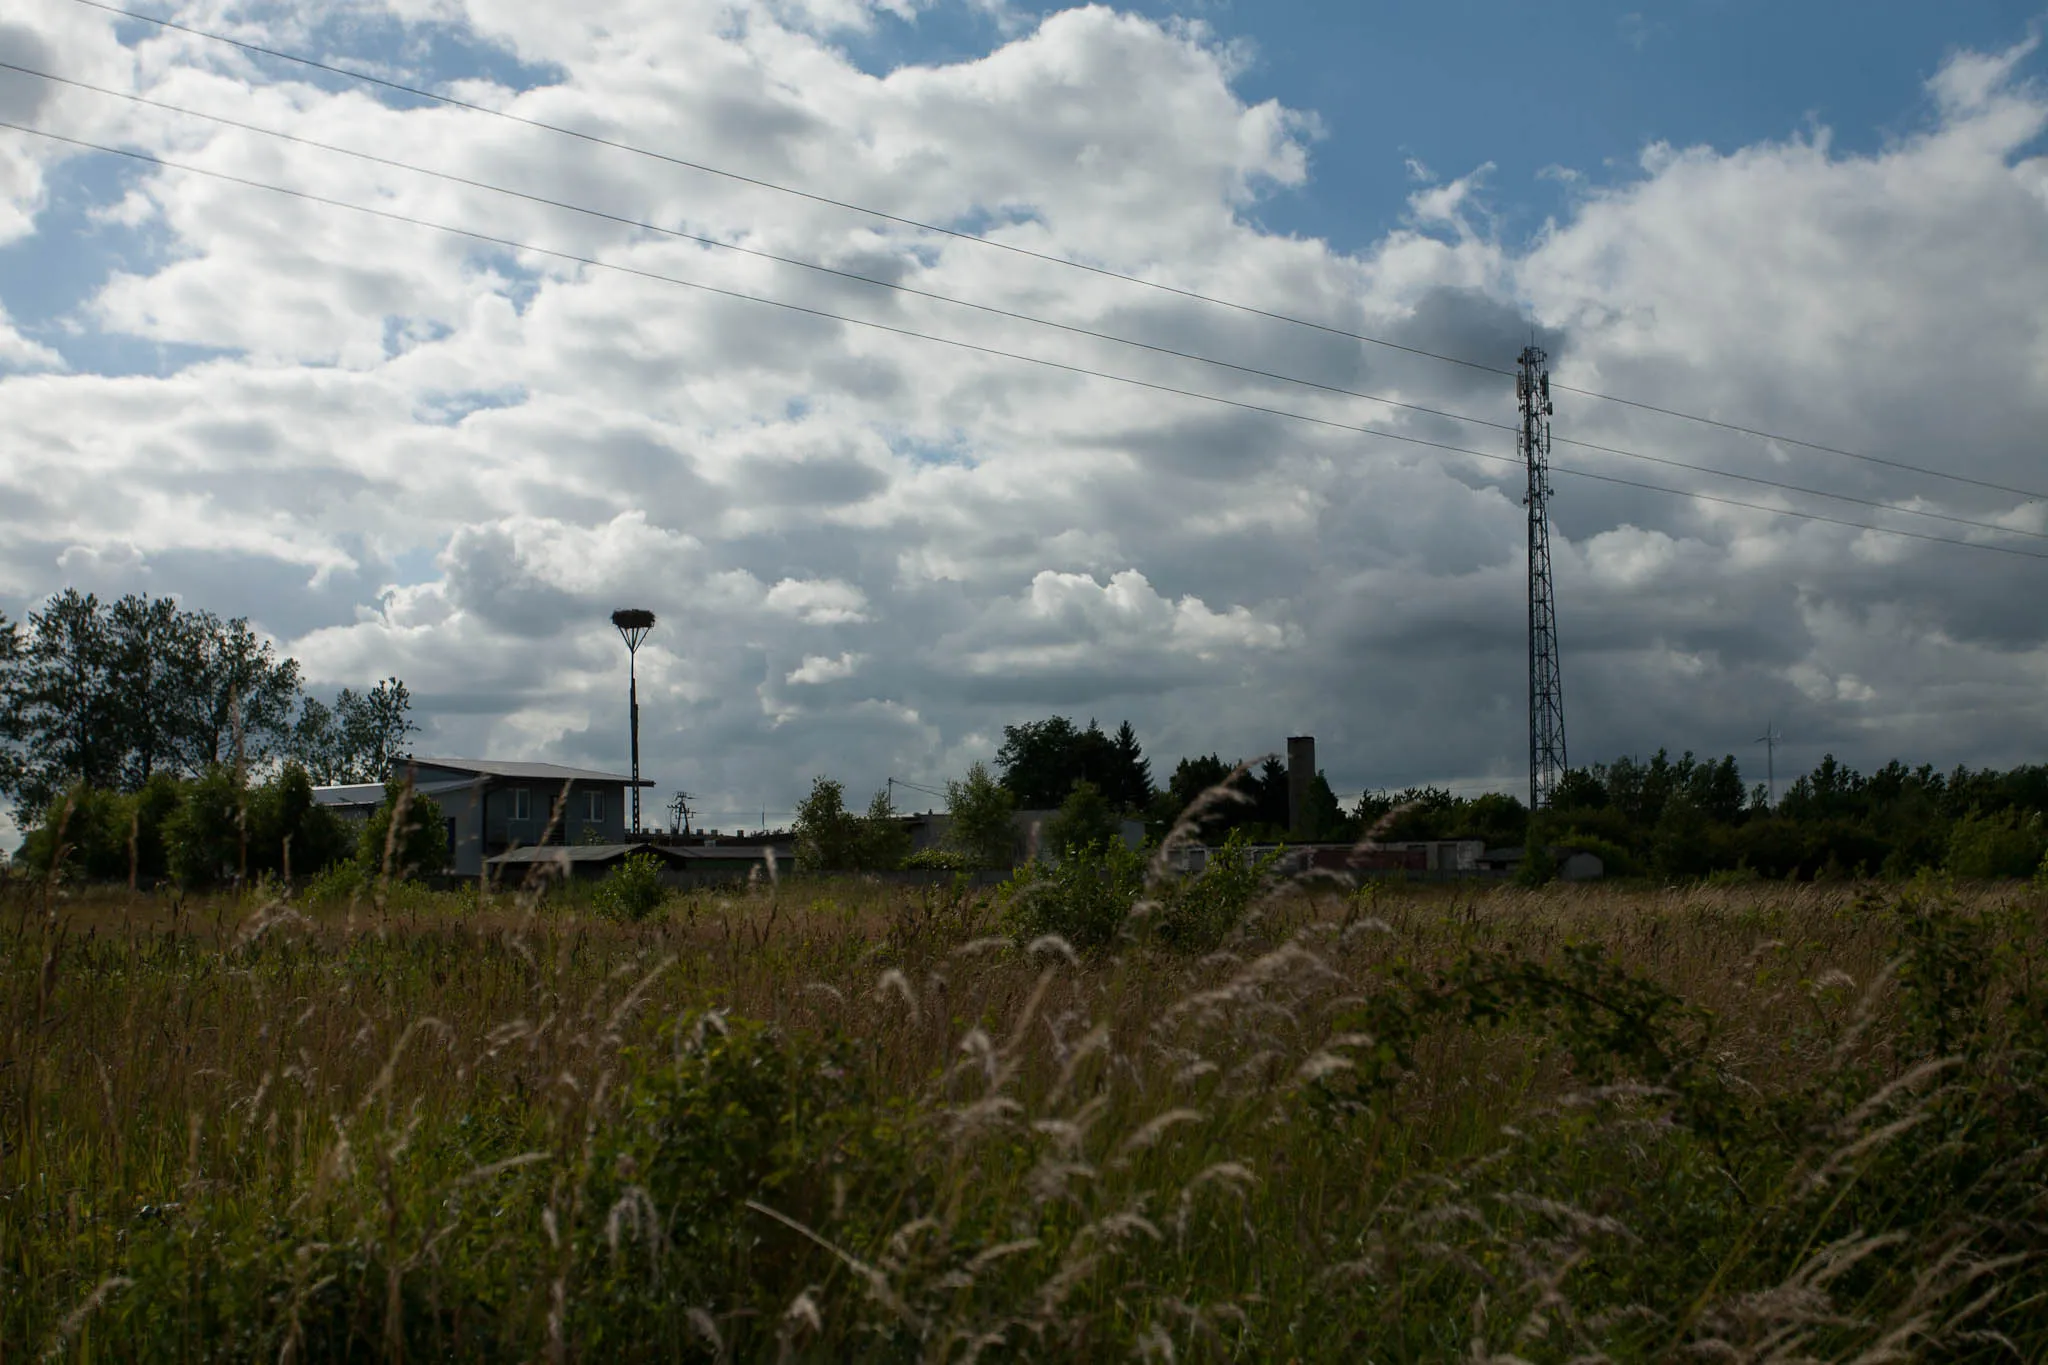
[(1084, 898), (1085, 818), (206, 839), (2004, 844), (631, 891), (942, 860), (982, 829), (1194, 914), (419, 848)]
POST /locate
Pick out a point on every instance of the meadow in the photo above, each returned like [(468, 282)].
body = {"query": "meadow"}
[(831, 1119)]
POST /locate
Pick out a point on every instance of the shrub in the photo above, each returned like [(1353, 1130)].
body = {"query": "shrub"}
[(1999, 845), (882, 841), (205, 837), (745, 1114), (1195, 913), (825, 830), (287, 831), (1084, 818), (831, 838), (632, 890), (1615, 861), (1539, 865), (1085, 898), (336, 882), (942, 860), (982, 828), (421, 845), (93, 825)]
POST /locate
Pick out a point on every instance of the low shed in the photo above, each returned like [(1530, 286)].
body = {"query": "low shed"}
[(681, 864)]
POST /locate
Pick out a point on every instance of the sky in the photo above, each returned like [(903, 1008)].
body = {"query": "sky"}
[(403, 451)]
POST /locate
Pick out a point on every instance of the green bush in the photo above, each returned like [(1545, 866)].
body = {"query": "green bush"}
[(1085, 898), (1084, 818), (340, 881), (93, 825), (421, 847), (831, 838), (1539, 866), (982, 828), (1999, 845), (205, 838), (204, 833), (942, 860), (107, 834), (632, 890), (1615, 861), (288, 832), (218, 828), (1195, 913), (745, 1114)]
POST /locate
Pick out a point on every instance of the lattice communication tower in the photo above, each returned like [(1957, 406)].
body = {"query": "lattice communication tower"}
[(1546, 680)]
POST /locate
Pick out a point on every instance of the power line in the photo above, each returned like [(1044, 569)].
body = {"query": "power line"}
[(622, 220), (977, 348), (1048, 257), (928, 791)]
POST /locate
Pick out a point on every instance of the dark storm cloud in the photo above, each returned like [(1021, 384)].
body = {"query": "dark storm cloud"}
[(1467, 324), (487, 575), (23, 97)]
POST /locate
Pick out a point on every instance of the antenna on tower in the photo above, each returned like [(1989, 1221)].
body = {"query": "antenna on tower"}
[(1546, 682)]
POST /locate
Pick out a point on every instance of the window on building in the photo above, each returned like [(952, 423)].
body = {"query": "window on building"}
[(522, 804), (593, 805)]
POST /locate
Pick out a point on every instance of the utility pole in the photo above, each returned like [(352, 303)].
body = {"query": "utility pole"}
[(1770, 739), (679, 813), (633, 624), (1546, 682)]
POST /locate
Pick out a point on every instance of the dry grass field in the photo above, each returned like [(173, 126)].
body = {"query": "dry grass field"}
[(833, 1120)]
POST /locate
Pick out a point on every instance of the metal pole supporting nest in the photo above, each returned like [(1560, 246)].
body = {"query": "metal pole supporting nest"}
[(633, 624)]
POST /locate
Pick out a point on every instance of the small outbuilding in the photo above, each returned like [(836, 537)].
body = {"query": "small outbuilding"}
[(681, 864)]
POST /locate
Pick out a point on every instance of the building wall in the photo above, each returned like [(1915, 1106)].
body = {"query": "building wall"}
[(483, 822)]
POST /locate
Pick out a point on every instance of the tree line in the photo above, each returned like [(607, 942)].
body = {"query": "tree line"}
[(142, 699), (143, 740), (1678, 818), (107, 695)]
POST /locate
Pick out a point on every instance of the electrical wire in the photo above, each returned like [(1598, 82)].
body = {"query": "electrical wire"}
[(977, 348), (452, 178), (451, 101), (928, 791)]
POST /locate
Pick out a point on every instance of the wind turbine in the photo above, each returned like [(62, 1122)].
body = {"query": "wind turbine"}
[(1771, 739)]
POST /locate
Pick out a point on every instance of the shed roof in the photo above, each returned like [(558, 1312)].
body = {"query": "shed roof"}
[(540, 772), (372, 793), (604, 853), (349, 794)]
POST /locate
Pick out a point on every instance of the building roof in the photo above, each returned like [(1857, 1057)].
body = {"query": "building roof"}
[(539, 772), (372, 793), (352, 794), (604, 853)]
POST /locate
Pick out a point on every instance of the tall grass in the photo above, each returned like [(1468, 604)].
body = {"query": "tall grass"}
[(831, 1120)]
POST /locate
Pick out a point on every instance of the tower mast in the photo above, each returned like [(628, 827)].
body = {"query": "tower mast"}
[(633, 624), (1546, 682)]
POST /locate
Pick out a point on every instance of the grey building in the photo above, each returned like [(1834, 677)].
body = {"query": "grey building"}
[(492, 806), (681, 865)]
